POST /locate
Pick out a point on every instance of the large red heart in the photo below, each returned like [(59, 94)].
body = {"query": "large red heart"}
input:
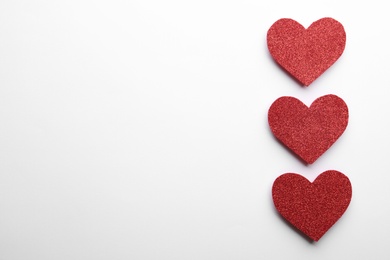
[(306, 53), (308, 132), (312, 208)]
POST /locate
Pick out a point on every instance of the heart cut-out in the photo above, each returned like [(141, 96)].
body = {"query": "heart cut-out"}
[(306, 53), (308, 131), (312, 208)]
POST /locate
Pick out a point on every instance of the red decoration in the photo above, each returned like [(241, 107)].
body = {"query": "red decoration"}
[(308, 132), (312, 208), (306, 53)]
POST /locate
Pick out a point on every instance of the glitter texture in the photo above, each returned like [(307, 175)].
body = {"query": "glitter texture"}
[(306, 53), (308, 132), (312, 208)]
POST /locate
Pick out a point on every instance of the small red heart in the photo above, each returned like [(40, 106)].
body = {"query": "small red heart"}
[(312, 208), (308, 132), (306, 53)]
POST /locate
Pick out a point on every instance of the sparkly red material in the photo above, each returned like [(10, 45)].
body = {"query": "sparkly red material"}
[(308, 132), (312, 208), (306, 53)]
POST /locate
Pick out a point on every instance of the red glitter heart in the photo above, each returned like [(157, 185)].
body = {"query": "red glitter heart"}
[(308, 132), (306, 53), (312, 208)]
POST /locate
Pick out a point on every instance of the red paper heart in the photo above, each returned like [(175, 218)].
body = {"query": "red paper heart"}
[(306, 53), (312, 208), (308, 132)]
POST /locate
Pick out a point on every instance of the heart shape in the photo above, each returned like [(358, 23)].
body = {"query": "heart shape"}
[(306, 53), (308, 132), (312, 208)]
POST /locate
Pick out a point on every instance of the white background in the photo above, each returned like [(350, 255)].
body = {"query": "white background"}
[(138, 130)]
